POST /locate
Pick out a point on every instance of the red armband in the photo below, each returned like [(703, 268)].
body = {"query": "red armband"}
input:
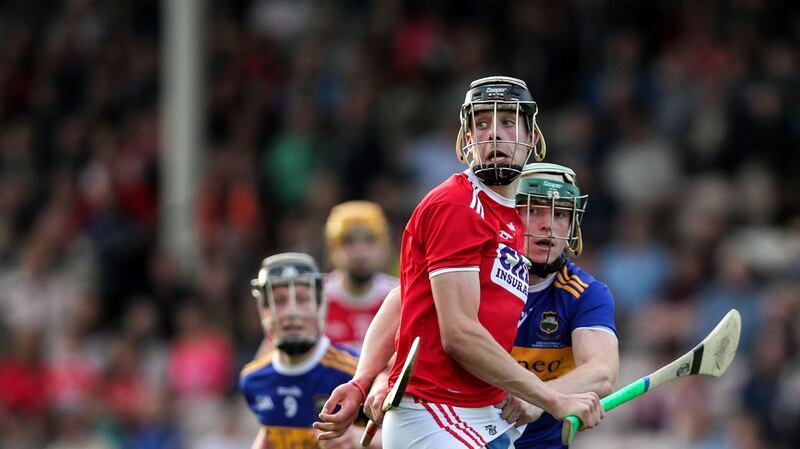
[(360, 389)]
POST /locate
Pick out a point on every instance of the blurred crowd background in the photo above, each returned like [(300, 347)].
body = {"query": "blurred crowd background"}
[(681, 118)]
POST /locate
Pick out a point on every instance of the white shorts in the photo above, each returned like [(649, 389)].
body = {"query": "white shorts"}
[(418, 424)]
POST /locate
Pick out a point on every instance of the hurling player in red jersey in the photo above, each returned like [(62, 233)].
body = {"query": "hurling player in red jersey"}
[(357, 237), (464, 282)]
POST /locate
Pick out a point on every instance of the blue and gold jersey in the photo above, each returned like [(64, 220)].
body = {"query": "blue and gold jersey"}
[(570, 299), (288, 399)]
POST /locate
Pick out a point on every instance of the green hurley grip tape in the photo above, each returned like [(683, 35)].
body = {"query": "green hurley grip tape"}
[(625, 394), (569, 429), (619, 397)]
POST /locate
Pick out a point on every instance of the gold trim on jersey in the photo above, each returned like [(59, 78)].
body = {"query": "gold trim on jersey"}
[(281, 437), (340, 360), (256, 364), (570, 282)]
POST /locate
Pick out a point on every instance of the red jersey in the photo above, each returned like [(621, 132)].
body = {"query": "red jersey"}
[(461, 225), (349, 316)]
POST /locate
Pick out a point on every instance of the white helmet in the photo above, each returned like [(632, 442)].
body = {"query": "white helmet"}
[(290, 270)]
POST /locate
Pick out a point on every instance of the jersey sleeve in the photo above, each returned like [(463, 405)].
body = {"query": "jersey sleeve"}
[(454, 236), (249, 397), (595, 308)]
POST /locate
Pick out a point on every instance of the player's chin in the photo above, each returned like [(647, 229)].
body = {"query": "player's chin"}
[(542, 255)]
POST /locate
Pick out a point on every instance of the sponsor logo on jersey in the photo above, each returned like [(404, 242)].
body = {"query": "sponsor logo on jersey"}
[(510, 271), (505, 235), (294, 390), (549, 323), (264, 403), (546, 363)]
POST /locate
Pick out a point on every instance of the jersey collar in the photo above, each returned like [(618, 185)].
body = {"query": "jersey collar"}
[(507, 202), (305, 366), (334, 286), (542, 285)]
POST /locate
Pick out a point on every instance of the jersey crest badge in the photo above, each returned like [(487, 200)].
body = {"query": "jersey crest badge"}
[(549, 323)]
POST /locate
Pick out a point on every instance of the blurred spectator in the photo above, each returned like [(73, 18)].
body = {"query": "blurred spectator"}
[(634, 250), (141, 325), (23, 432), (731, 284), (73, 374), (75, 429), (642, 168), (229, 432), (124, 385), (436, 149), (200, 357), (22, 376), (292, 158), (760, 392), (157, 428)]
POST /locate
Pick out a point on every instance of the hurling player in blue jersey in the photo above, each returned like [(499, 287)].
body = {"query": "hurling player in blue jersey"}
[(566, 334), (287, 386)]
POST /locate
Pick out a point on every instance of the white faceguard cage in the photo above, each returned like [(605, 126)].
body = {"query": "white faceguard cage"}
[(290, 270), (495, 94), (552, 187)]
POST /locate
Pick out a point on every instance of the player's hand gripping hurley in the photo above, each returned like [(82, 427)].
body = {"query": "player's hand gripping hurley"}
[(709, 358), (396, 393)]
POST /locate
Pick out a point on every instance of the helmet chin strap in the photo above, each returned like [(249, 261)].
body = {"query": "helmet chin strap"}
[(497, 174), (292, 345), (542, 270)]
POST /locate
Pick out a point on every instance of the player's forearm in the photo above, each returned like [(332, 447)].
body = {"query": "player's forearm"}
[(478, 352), (594, 376), (457, 299), (374, 359), (596, 355), (378, 346)]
